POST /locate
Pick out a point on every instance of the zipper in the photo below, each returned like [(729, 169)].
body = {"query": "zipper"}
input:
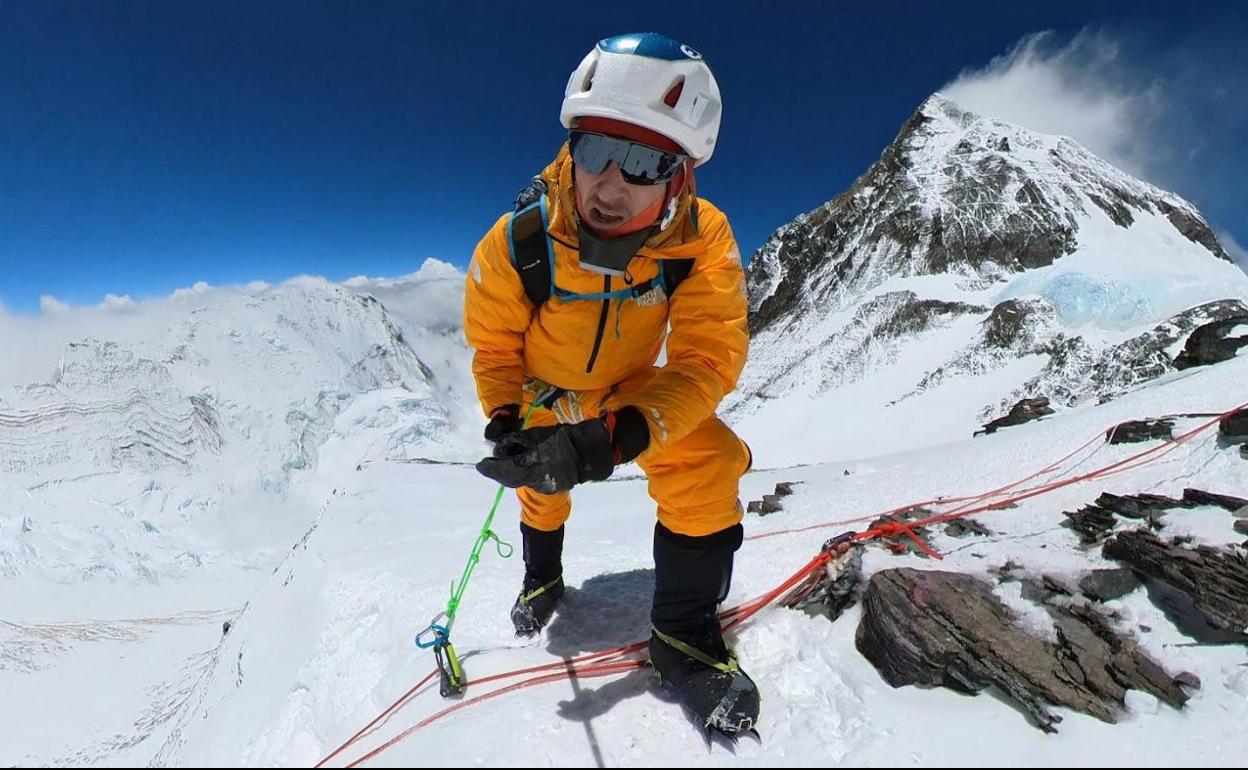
[(602, 324)]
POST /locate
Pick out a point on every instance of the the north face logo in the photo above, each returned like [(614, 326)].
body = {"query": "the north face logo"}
[(656, 296)]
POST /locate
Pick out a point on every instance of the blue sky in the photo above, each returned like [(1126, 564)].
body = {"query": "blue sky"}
[(145, 146)]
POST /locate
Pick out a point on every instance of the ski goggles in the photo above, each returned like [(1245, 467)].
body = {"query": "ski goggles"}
[(639, 163)]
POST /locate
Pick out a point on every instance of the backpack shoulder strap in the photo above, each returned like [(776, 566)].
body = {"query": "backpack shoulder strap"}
[(530, 246), (675, 271)]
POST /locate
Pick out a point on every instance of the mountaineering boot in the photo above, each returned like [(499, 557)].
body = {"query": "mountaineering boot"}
[(687, 649), (535, 605), (708, 681), (543, 580)]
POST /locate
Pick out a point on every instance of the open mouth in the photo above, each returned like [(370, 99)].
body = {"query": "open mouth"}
[(605, 218)]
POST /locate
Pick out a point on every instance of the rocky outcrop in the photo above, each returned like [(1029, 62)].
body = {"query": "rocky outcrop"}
[(771, 503), (1137, 431), (1024, 411), (1105, 585), (1214, 343), (1214, 580), (947, 629), (1233, 428)]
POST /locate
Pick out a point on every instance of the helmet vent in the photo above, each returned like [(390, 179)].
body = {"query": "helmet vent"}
[(673, 93), (588, 82)]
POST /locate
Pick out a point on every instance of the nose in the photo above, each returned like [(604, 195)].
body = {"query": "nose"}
[(611, 182)]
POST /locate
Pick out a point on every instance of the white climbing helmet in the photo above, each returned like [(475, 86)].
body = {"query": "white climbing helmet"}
[(649, 80)]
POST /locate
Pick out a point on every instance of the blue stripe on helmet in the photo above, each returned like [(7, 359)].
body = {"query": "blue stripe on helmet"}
[(649, 44)]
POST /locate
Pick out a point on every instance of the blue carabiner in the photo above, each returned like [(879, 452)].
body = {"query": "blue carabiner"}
[(441, 634)]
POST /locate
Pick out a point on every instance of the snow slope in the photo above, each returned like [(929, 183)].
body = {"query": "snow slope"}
[(117, 667)]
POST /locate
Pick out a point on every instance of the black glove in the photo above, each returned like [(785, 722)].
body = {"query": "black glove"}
[(504, 421), (554, 459)]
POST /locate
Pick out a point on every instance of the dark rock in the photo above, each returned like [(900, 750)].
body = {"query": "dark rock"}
[(1091, 522), (829, 591), (1193, 227), (1233, 428), (768, 505), (1043, 589), (1024, 411), (966, 526), (1142, 506), (1136, 431), (1215, 580), (784, 489), (947, 629), (1161, 502), (1008, 323), (1211, 343), (1095, 522), (914, 315), (1011, 570), (1115, 209), (1200, 497), (1188, 679), (1181, 610), (1110, 661), (1241, 526), (1035, 591), (1057, 585), (1106, 585)]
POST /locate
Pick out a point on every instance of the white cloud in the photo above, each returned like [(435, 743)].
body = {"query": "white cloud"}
[(430, 270), (114, 302), (433, 269), (185, 293), (1081, 90), (49, 305), (307, 281), (1237, 252)]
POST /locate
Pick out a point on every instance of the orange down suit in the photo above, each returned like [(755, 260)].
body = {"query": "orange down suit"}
[(603, 352)]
